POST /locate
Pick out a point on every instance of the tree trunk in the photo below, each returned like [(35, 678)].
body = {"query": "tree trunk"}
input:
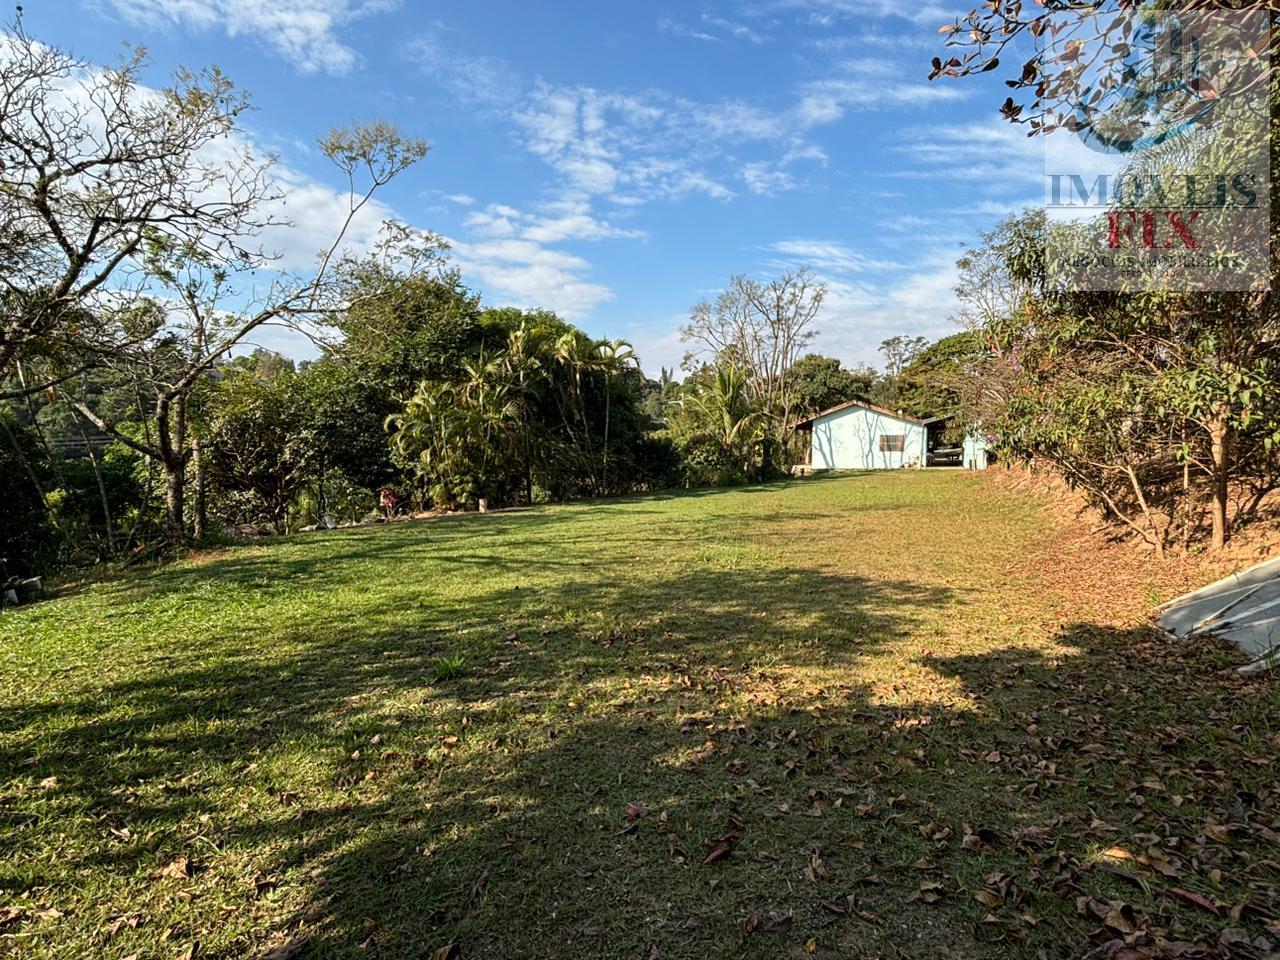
[(108, 523), (604, 456), (201, 514), (586, 431), (175, 495), (171, 435), (528, 462), (1220, 452)]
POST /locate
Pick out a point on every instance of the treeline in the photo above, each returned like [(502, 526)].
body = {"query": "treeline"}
[(427, 399), (1162, 407), (423, 400), (136, 417), (1136, 353)]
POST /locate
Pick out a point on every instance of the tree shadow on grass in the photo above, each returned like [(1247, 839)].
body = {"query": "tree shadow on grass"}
[(383, 811), (275, 740), (532, 846)]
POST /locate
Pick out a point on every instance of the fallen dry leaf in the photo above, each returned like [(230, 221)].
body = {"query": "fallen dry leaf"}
[(1191, 898), (989, 898), (179, 868), (774, 923), (720, 848), (929, 891), (287, 951)]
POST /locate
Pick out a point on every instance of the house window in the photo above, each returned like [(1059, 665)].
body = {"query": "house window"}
[(893, 442)]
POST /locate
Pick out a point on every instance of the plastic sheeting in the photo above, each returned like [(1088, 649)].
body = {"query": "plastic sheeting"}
[(1243, 608)]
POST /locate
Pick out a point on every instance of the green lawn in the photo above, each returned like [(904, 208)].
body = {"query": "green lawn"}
[(893, 715)]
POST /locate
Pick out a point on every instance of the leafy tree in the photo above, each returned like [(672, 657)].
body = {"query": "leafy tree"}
[(455, 437), (719, 426), (343, 413), (178, 350), (996, 278), (405, 326), (937, 381), (899, 352), (96, 170), (258, 440), (613, 357), (762, 329), (821, 382), (27, 536), (1156, 399)]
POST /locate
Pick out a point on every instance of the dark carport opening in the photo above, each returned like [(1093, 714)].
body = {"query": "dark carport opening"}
[(941, 449)]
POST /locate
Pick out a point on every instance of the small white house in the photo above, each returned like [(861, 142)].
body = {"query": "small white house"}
[(862, 436)]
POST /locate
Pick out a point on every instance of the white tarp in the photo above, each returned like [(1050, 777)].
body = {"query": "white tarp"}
[(1243, 608)]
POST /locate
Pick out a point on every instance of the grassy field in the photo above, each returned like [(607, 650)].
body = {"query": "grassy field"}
[(896, 715)]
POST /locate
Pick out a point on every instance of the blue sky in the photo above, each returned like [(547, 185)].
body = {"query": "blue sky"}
[(617, 162)]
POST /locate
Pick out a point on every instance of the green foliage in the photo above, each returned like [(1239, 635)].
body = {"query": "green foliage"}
[(458, 439), (85, 508), (449, 667), (343, 409), (1154, 404), (28, 544), (260, 443), (936, 381), (719, 428), (821, 382), (402, 330), (544, 406)]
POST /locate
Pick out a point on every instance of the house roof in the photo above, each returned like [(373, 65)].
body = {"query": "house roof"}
[(858, 403)]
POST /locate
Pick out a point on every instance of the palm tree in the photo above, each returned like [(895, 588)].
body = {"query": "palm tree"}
[(728, 412), (486, 391), (576, 353), (612, 356), (521, 361)]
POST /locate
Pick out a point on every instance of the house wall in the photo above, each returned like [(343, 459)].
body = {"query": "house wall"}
[(975, 452), (849, 439)]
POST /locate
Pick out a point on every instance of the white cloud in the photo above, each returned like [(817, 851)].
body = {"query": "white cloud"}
[(765, 179), (508, 253), (315, 212), (829, 12), (461, 199), (986, 155), (864, 84), (677, 29), (657, 344), (908, 222), (828, 256), (305, 32), (739, 31), (736, 120), (563, 220), (630, 148), (870, 300), (714, 29), (525, 274)]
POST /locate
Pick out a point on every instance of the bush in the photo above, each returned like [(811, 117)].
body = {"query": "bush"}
[(707, 464), (78, 501), (28, 544), (656, 463)]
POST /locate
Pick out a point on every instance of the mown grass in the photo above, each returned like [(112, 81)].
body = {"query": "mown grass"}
[(865, 700)]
